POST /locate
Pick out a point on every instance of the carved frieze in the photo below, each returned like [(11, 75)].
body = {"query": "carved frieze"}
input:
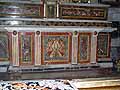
[(57, 23), (83, 12), (20, 10)]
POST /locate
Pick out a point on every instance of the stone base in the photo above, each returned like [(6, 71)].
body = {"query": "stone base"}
[(63, 74)]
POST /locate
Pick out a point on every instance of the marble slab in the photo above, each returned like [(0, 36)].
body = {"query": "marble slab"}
[(37, 85)]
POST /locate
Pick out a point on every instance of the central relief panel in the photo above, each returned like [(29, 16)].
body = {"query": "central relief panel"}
[(56, 47)]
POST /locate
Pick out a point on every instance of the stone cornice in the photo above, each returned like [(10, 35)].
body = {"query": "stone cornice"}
[(56, 22)]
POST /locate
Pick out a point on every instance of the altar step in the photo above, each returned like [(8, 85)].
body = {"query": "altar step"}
[(66, 74), (103, 88), (108, 83)]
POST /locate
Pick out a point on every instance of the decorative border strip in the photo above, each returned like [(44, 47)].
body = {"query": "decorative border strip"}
[(10, 46), (56, 23)]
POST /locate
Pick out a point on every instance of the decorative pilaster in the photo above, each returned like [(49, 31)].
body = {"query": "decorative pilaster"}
[(15, 49), (93, 48), (38, 48), (75, 47)]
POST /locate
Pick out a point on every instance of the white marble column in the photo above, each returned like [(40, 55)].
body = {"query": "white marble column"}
[(38, 48), (93, 49), (15, 50)]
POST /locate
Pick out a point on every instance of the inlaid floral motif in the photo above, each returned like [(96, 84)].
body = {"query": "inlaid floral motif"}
[(56, 47)]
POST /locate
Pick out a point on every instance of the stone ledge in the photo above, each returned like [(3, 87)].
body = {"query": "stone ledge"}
[(97, 83)]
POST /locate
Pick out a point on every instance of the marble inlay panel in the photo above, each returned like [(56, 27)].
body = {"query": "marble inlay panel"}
[(82, 12), (26, 43), (84, 47), (103, 45), (56, 47), (4, 54), (20, 10)]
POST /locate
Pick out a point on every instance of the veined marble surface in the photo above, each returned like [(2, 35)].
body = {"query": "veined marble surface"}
[(48, 84), (96, 82), (37, 85)]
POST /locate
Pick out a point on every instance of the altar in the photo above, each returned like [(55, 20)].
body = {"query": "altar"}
[(54, 37)]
